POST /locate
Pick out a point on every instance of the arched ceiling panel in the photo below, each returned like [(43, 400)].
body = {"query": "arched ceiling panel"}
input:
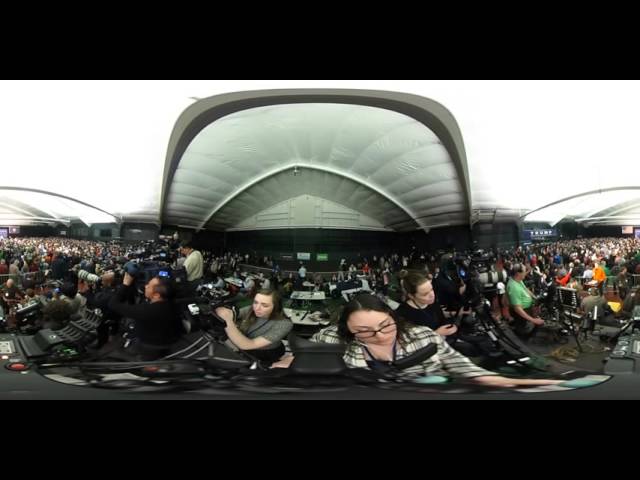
[(617, 205), (285, 185), (236, 163), (23, 205)]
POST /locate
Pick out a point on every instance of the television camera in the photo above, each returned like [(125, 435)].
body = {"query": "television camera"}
[(26, 315), (625, 357), (207, 290), (144, 270), (476, 271), (199, 314)]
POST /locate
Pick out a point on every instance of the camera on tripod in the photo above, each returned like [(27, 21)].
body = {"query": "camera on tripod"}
[(203, 317), (480, 261), (208, 291)]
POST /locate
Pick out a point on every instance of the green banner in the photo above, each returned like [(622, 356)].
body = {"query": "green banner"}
[(322, 257)]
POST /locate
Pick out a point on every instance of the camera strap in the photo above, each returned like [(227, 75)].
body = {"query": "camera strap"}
[(376, 364)]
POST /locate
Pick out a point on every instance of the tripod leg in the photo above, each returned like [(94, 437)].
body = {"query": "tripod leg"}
[(576, 336)]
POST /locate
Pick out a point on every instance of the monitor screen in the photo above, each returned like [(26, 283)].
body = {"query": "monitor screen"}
[(14, 230), (627, 230), (4, 232), (636, 232)]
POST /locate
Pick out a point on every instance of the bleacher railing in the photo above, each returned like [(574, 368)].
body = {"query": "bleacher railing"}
[(285, 273)]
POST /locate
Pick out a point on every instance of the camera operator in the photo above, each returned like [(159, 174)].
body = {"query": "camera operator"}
[(156, 323), (449, 285), (521, 301), (193, 265)]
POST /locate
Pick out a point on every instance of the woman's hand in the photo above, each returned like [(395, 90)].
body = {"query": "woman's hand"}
[(284, 362), (226, 314), (537, 321), (498, 381), (447, 330)]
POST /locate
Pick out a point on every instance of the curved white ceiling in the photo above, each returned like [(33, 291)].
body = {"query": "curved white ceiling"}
[(381, 163), (22, 207), (528, 143)]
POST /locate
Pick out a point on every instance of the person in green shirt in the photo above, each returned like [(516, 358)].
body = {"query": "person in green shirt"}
[(521, 301)]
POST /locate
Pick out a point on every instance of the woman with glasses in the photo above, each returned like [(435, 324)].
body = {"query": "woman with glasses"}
[(376, 336)]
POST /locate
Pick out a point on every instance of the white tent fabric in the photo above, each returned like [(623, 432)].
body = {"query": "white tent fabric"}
[(528, 144), (18, 207), (380, 163)]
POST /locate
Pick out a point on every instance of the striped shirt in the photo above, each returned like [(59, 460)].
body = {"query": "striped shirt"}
[(445, 362)]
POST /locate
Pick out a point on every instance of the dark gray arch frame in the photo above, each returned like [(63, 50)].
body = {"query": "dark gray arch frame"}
[(206, 111)]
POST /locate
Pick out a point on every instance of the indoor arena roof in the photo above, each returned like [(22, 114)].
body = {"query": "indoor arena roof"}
[(383, 155)]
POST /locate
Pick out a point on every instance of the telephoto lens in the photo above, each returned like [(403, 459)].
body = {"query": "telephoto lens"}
[(88, 277)]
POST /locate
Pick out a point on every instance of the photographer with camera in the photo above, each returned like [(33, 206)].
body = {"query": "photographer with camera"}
[(521, 301), (156, 322)]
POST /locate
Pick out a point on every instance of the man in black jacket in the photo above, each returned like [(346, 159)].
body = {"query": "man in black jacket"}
[(156, 324)]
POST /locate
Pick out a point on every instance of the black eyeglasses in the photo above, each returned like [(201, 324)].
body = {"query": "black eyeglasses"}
[(388, 328)]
